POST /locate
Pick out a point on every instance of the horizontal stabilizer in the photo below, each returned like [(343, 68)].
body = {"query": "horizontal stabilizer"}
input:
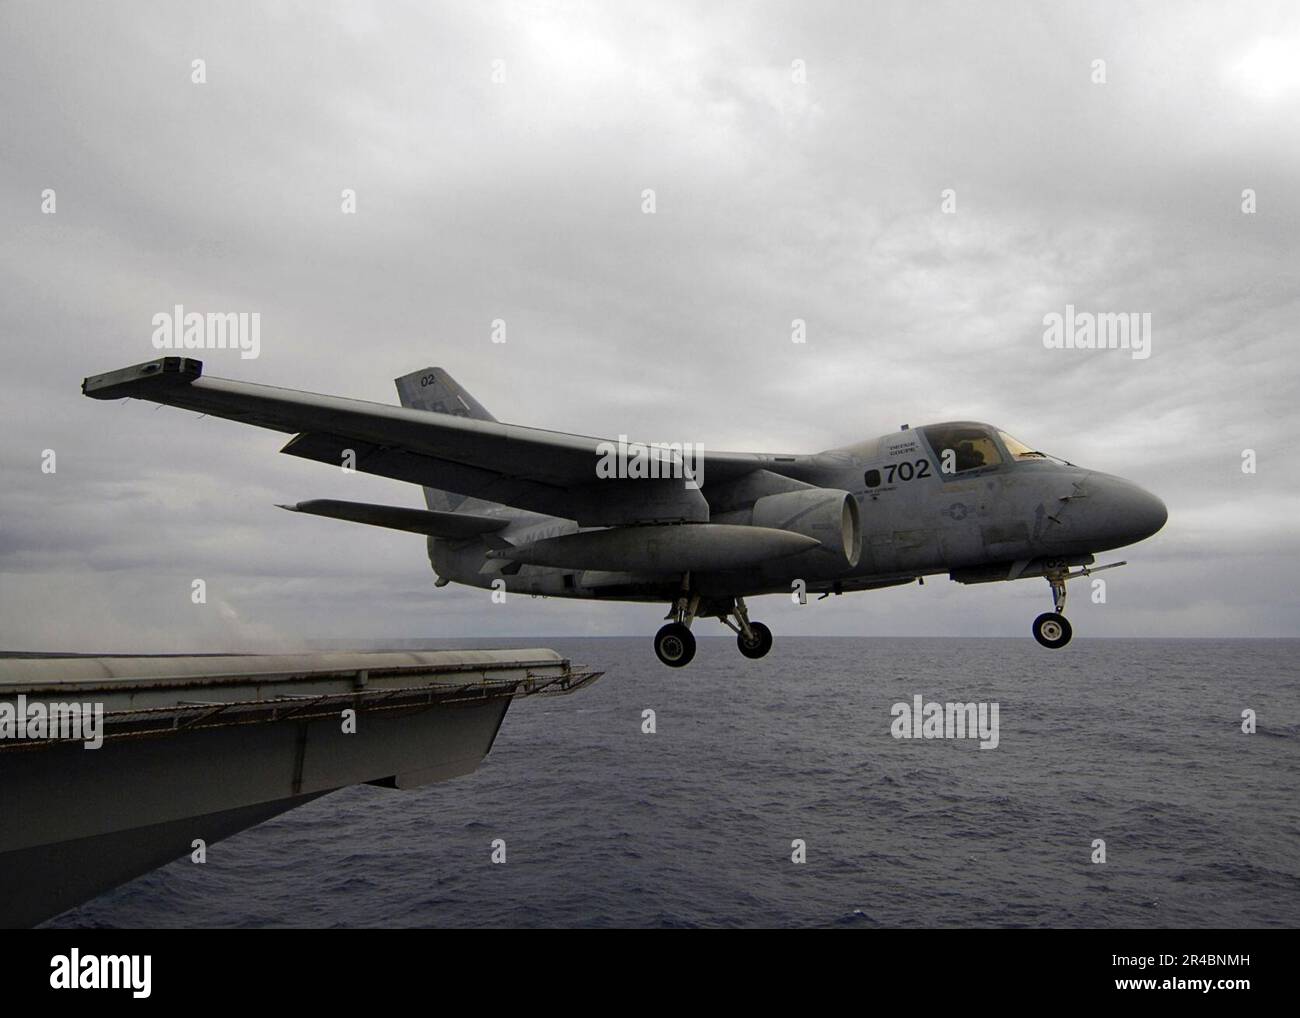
[(449, 526)]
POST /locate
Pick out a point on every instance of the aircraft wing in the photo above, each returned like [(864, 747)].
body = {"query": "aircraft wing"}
[(544, 471)]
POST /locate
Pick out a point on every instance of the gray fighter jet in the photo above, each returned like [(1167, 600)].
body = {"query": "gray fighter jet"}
[(522, 510)]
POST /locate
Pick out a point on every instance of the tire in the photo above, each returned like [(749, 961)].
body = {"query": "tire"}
[(762, 643), (1052, 631), (675, 645)]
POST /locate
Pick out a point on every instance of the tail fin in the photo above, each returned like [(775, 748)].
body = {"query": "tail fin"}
[(434, 390)]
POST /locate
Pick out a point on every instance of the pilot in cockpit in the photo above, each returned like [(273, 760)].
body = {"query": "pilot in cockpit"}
[(968, 457)]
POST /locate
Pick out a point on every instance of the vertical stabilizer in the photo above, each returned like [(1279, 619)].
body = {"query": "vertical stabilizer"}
[(434, 390)]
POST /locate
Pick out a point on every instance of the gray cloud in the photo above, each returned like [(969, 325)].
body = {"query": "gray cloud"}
[(521, 201)]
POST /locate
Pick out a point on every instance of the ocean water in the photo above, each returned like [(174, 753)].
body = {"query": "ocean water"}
[(1136, 742)]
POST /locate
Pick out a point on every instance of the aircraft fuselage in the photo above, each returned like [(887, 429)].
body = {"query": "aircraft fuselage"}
[(920, 514)]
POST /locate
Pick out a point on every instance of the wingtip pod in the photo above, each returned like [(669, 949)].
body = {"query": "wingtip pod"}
[(139, 380)]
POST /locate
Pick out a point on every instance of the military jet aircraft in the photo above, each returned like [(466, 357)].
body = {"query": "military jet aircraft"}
[(541, 512)]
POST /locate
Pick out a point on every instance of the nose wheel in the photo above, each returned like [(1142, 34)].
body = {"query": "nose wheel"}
[(1052, 629)]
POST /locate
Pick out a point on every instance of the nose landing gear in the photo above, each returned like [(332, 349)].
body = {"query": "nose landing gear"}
[(1052, 629)]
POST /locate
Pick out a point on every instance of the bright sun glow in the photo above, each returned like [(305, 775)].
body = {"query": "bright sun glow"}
[(1269, 69)]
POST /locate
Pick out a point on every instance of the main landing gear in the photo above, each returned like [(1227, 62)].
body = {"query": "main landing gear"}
[(753, 638), (675, 643)]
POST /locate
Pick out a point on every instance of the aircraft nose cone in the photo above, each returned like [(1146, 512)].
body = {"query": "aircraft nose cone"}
[(1151, 512), (1123, 512)]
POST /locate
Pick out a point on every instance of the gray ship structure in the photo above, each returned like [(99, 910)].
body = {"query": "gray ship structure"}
[(198, 747)]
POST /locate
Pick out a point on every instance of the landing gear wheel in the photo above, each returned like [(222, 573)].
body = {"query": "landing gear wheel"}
[(759, 645), (675, 645), (1052, 630)]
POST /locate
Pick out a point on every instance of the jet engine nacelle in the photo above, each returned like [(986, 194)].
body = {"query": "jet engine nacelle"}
[(827, 515)]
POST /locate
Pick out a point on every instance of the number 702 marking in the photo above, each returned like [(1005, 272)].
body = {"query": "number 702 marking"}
[(906, 471)]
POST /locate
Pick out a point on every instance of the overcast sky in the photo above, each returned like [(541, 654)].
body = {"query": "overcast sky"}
[(776, 199)]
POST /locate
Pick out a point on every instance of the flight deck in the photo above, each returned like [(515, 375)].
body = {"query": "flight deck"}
[(194, 748)]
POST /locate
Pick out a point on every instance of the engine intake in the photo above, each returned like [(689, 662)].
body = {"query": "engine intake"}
[(828, 516)]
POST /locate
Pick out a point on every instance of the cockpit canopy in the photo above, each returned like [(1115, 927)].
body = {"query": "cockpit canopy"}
[(975, 446)]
